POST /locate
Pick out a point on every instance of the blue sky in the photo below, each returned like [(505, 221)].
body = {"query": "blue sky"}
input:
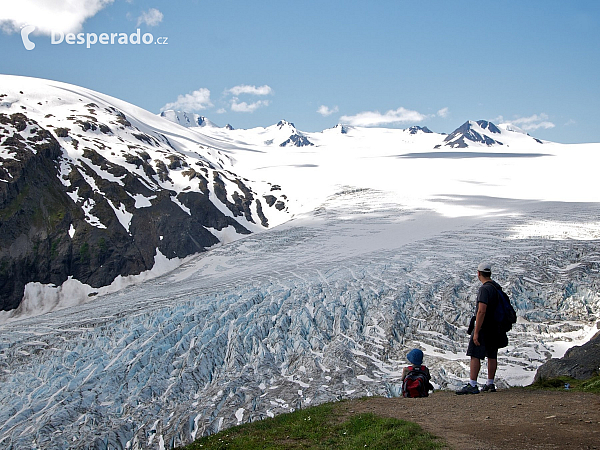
[(318, 62)]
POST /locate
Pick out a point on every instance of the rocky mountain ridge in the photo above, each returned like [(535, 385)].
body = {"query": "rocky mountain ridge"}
[(88, 191)]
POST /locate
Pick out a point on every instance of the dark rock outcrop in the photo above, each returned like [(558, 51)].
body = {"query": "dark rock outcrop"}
[(415, 129), (460, 137), (580, 362), (89, 216), (296, 140), (283, 123)]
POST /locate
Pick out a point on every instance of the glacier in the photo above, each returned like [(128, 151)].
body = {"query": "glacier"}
[(387, 228), (322, 308)]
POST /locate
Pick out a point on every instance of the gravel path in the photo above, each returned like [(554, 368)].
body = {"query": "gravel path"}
[(507, 419)]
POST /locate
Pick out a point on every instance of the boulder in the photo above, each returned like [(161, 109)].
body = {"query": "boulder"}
[(580, 362)]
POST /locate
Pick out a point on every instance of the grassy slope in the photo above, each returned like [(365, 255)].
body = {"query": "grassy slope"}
[(590, 385), (321, 427)]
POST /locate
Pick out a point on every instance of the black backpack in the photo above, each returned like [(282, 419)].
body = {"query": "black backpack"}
[(416, 383), (505, 315)]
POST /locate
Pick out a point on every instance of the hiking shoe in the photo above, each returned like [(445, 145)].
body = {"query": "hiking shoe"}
[(489, 388), (468, 389)]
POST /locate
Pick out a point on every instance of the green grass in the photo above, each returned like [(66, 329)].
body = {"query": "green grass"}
[(558, 384), (320, 427)]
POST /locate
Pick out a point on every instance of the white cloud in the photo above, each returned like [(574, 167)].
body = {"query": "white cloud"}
[(193, 101), (533, 122), (253, 90), (325, 111), (245, 107), (443, 112), (152, 17), (242, 89), (48, 15), (375, 118), (221, 111)]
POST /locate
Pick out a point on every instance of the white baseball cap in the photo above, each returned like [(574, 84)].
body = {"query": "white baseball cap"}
[(484, 267)]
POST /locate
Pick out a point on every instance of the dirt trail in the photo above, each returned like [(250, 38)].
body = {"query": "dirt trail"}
[(507, 419)]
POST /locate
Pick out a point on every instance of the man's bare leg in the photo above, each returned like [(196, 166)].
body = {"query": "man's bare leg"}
[(474, 368), (492, 366)]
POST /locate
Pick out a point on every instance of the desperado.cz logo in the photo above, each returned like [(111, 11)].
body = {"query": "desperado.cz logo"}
[(90, 39), (25, 31)]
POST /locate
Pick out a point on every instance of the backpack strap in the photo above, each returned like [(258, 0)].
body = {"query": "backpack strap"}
[(421, 369)]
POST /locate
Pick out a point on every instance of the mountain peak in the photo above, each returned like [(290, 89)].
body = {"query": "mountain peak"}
[(113, 185), (474, 132), (187, 119), (485, 125), (283, 123), (415, 129)]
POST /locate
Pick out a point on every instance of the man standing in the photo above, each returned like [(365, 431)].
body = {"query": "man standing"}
[(486, 339)]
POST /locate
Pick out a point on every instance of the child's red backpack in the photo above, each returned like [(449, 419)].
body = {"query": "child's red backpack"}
[(416, 383)]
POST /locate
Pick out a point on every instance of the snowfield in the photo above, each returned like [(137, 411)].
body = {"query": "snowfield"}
[(379, 258)]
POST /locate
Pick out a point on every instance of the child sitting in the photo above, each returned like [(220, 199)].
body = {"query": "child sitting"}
[(415, 378)]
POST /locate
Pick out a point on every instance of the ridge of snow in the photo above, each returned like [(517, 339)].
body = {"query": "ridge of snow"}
[(59, 105), (187, 119)]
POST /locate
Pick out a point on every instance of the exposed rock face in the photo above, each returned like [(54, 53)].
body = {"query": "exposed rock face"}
[(87, 194), (285, 123), (342, 129), (296, 140), (415, 129), (33, 209), (580, 362), (187, 119), (473, 132), (489, 126)]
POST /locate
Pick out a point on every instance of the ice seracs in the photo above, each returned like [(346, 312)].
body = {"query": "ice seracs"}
[(319, 309)]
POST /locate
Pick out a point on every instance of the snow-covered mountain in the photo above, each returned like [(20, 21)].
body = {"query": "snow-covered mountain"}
[(93, 188), (379, 257), (282, 134), (286, 132), (187, 119), (487, 134), (415, 129)]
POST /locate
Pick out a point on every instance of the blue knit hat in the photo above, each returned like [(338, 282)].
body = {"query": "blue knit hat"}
[(415, 357)]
